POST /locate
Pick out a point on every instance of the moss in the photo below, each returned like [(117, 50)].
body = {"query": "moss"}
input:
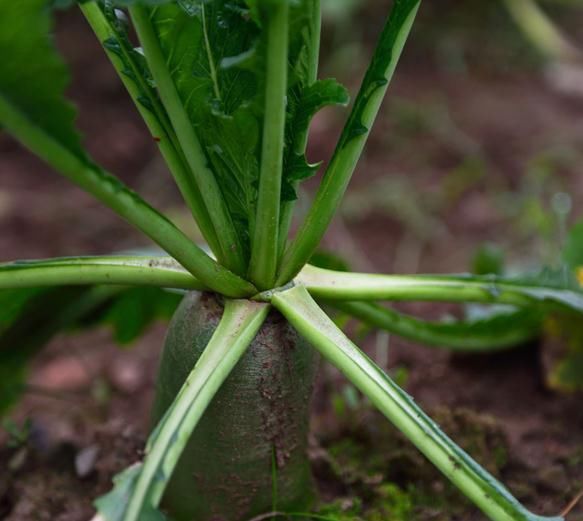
[(384, 477)]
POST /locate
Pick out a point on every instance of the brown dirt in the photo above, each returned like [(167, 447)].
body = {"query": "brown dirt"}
[(87, 394)]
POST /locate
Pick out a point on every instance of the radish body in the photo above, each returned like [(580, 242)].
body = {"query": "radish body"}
[(248, 454)]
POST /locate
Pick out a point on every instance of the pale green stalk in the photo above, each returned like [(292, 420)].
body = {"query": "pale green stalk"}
[(240, 322), (162, 272), (475, 482), (336, 285), (540, 30), (157, 122), (231, 250), (111, 192), (353, 139), (264, 244), (486, 335)]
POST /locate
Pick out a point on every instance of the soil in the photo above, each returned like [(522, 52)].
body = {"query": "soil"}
[(462, 155)]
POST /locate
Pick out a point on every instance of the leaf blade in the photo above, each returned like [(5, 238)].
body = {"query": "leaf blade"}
[(36, 89), (61, 152)]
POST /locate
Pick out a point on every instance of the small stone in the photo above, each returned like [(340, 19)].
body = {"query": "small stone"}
[(18, 460), (63, 374), (126, 376), (85, 461), (554, 478)]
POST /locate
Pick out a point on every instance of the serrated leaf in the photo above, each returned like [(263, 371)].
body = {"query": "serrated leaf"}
[(33, 78), (316, 96), (134, 62), (215, 51), (304, 102), (218, 92), (352, 141)]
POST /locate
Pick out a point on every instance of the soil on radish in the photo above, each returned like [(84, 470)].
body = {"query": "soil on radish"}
[(85, 415)]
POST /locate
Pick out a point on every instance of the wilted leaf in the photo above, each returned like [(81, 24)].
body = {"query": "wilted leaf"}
[(562, 352)]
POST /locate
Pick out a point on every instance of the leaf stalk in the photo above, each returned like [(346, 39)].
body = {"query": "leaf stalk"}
[(114, 194), (231, 250), (353, 139), (163, 272), (156, 120), (474, 481), (265, 250)]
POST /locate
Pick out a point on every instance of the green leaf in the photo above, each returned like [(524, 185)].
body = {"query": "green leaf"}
[(33, 77), (112, 506), (27, 325), (34, 308), (502, 330), (304, 102), (488, 260), (136, 308), (573, 249), (134, 64), (35, 316), (145, 484), (32, 108), (111, 27), (474, 481), (127, 3), (12, 303), (216, 53), (65, 4), (210, 64)]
